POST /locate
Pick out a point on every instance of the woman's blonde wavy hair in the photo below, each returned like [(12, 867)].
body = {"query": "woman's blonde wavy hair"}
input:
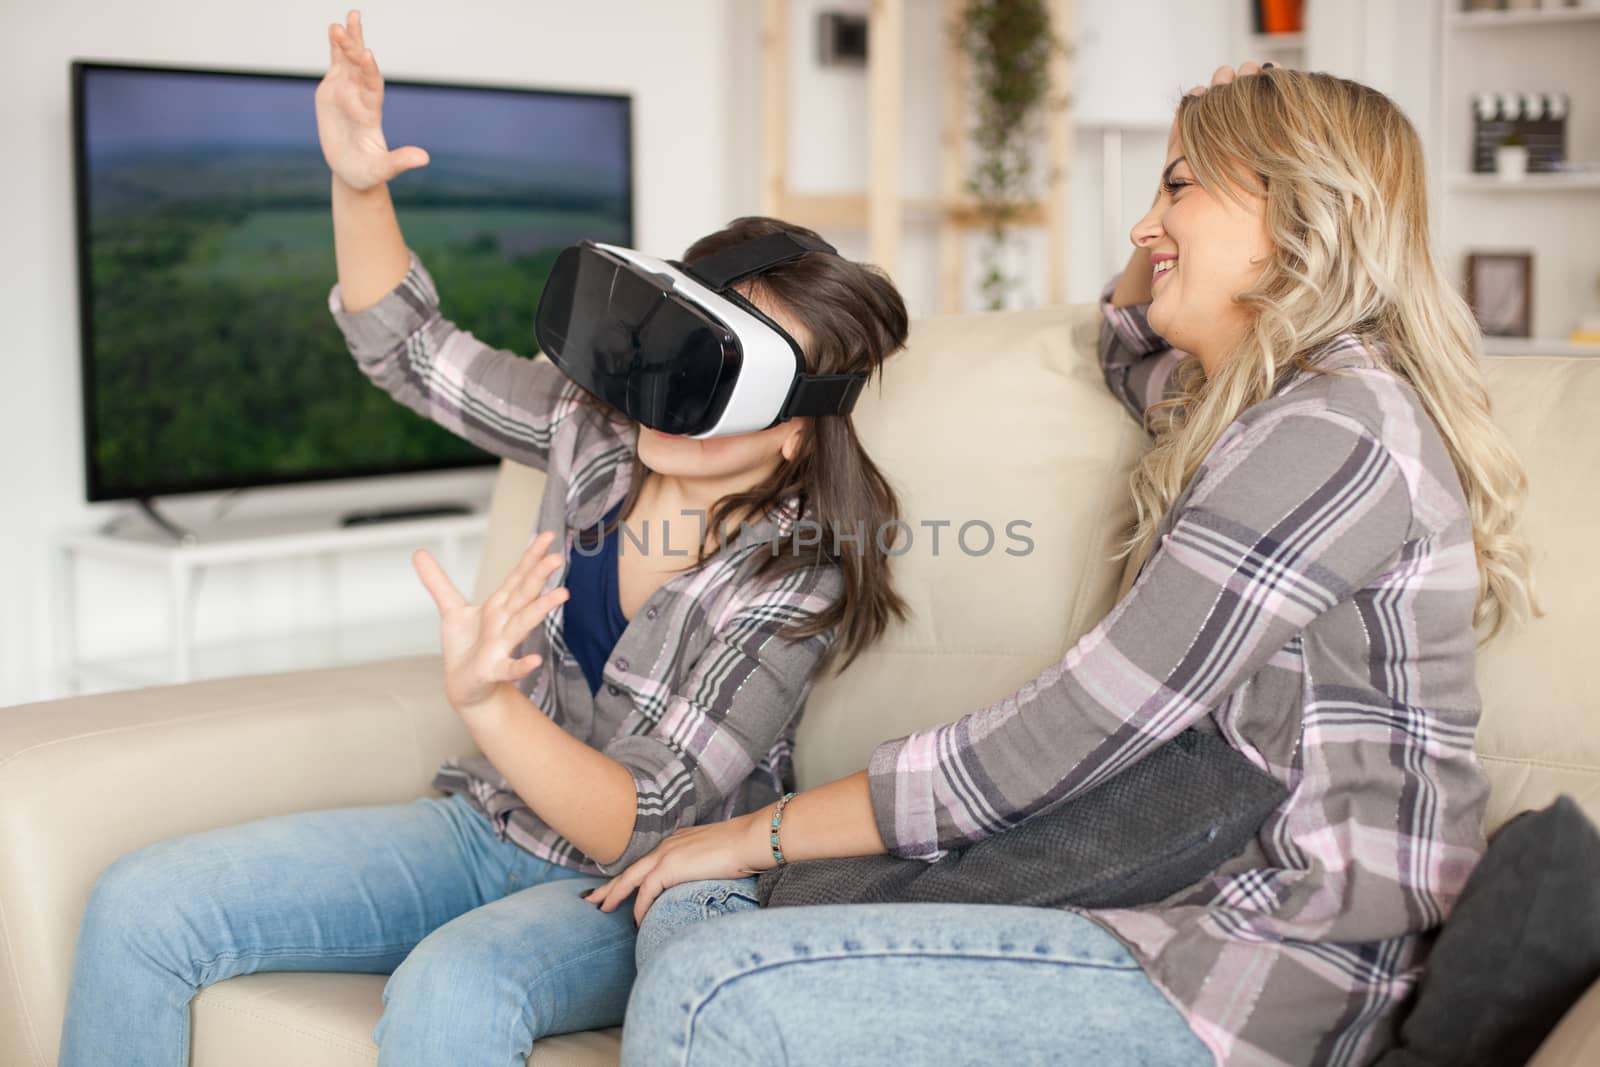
[(1346, 210)]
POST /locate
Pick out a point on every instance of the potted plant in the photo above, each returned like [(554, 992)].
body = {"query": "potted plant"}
[(1009, 44), (1511, 159)]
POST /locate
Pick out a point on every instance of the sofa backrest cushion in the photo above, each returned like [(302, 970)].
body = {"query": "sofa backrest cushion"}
[(987, 425), (1540, 682), (992, 419), (1004, 417)]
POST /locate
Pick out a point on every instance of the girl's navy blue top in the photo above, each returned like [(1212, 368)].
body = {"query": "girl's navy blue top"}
[(593, 618)]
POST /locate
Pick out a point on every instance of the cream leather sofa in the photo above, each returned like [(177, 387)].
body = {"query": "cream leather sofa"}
[(986, 417)]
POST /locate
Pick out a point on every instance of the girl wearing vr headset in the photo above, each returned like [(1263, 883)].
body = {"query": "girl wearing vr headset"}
[(618, 687), (1325, 529)]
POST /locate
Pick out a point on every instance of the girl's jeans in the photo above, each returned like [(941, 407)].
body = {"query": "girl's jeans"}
[(489, 947), (889, 984)]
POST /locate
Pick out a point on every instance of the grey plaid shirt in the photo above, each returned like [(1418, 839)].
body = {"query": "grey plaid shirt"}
[(700, 697), (1311, 599)]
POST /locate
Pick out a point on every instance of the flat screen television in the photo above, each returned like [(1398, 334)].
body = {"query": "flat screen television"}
[(205, 251)]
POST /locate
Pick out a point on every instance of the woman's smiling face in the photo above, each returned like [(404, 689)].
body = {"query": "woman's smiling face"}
[(1205, 248)]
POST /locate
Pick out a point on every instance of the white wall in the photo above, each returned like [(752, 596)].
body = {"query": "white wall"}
[(1132, 61), (693, 67), (672, 57)]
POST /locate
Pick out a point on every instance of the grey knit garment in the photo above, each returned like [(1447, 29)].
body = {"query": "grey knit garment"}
[(1155, 828)]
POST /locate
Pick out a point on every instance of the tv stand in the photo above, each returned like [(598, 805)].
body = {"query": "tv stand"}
[(406, 514), (181, 535), (328, 639)]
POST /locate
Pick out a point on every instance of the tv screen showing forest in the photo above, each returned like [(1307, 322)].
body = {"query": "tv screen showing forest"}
[(205, 243)]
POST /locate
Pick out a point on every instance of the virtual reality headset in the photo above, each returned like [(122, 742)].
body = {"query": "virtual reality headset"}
[(677, 348)]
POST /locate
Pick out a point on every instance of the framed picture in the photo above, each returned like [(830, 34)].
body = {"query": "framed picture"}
[(1500, 290)]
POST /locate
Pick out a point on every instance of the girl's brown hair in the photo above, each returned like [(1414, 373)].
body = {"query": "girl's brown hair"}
[(856, 319)]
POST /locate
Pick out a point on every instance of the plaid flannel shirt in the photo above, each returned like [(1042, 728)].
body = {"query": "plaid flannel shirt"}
[(1310, 598), (700, 697)]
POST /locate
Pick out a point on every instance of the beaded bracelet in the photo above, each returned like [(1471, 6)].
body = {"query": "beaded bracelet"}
[(777, 817)]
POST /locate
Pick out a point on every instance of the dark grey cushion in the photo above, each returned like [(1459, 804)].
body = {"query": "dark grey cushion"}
[(1157, 827), (1520, 948)]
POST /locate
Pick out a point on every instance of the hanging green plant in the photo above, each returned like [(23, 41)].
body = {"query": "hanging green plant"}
[(1009, 45)]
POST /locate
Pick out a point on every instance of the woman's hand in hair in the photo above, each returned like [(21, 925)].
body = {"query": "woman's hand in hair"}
[(1220, 76), (1224, 75), (349, 104), (479, 641)]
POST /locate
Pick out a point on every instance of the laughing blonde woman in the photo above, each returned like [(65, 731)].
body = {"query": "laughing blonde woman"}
[(1324, 532)]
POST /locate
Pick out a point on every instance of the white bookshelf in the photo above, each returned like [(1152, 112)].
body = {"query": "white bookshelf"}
[(1499, 20), (1556, 217), (1288, 46), (1579, 182)]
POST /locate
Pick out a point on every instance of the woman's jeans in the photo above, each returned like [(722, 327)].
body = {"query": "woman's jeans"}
[(889, 984), (489, 947)]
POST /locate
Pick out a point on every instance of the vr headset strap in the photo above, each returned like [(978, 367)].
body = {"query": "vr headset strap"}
[(823, 394), (717, 272), (813, 394)]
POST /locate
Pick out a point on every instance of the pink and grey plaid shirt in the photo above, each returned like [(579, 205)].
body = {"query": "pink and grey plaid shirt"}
[(701, 695), (1311, 599)]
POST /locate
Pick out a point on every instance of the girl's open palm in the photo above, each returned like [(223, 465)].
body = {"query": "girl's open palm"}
[(479, 641), (350, 113)]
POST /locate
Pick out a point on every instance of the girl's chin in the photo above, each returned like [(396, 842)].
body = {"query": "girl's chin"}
[(666, 445), (676, 456)]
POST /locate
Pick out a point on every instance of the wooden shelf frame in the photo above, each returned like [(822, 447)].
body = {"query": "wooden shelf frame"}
[(882, 210)]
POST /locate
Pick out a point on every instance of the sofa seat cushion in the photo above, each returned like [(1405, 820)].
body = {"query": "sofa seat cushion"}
[(326, 1020)]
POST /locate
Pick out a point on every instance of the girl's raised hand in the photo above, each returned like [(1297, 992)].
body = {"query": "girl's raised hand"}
[(479, 640), (350, 114)]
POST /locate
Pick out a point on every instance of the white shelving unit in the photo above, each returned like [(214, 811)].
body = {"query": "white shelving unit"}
[(1286, 48), (1499, 20), (1554, 216), (1533, 183), (182, 564)]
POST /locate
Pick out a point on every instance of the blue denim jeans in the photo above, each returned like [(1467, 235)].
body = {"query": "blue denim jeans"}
[(488, 947), (889, 983)]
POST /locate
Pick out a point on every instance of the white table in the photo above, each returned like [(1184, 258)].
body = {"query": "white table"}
[(239, 541)]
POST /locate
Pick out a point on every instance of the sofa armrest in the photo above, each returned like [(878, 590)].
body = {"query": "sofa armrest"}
[(1576, 1039), (86, 779)]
